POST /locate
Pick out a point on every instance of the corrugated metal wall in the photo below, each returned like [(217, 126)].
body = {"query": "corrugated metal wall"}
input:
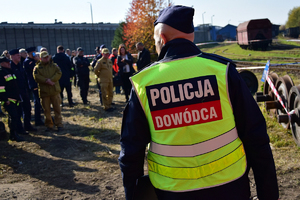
[(11, 37)]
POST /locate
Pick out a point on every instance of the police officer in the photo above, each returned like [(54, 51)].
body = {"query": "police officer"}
[(82, 67), (29, 64), (103, 70), (63, 61), (19, 71), (9, 95), (200, 119)]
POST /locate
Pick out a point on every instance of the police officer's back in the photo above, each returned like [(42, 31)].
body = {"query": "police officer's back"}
[(201, 134)]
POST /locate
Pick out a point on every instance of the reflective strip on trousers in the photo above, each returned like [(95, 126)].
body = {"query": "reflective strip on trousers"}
[(196, 149), (198, 172)]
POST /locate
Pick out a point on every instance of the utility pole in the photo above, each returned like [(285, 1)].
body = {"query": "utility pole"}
[(91, 13), (204, 36)]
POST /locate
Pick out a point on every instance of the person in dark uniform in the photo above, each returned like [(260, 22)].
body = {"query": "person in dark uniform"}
[(98, 57), (82, 67), (10, 97), (63, 61), (29, 64), (204, 128), (18, 70), (143, 58), (23, 54)]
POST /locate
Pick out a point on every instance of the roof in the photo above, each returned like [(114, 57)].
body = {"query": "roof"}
[(254, 24)]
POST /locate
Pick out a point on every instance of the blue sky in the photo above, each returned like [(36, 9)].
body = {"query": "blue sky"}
[(114, 11)]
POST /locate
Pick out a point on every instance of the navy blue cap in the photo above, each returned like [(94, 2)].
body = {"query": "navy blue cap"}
[(14, 51), (80, 49), (178, 17), (102, 46), (30, 49), (4, 59)]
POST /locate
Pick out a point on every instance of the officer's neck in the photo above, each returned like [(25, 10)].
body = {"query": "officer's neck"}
[(15, 62)]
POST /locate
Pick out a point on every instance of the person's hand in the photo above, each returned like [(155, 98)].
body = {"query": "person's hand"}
[(7, 102), (123, 60), (49, 82)]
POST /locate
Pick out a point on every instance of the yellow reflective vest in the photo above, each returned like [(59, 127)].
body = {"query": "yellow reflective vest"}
[(194, 141)]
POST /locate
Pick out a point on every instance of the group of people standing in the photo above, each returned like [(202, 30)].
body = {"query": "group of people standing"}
[(27, 74), (115, 69)]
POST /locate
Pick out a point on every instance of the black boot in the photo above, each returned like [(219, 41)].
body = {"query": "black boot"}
[(16, 137)]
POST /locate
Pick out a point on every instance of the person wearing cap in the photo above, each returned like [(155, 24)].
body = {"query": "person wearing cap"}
[(103, 70), (143, 58), (82, 69), (10, 98), (47, 75), (23, 54), (97, 57), (64, 63), (204, 128), (18, 70), (29, 64)]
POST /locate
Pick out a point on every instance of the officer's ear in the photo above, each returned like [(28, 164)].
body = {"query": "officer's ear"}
[(164, 38)]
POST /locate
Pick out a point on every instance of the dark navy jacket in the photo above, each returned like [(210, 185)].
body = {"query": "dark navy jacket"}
[(19, 71), (144, 59), (250, 124), (29, 64), (81, 65), (11, 87), (96, 59), (65, 66)]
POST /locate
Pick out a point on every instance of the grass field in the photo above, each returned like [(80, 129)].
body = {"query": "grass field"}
[(275, 53)]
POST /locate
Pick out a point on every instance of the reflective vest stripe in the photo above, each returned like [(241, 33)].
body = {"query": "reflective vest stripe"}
[(196, 149), (9, 77), (2, 89), (199, 171), (190, 156)]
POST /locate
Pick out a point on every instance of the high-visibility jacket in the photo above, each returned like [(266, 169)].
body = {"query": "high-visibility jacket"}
[(194, 141), (9, 90)]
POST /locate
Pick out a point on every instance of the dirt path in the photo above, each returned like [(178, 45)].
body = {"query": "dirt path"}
[(81, 161)]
